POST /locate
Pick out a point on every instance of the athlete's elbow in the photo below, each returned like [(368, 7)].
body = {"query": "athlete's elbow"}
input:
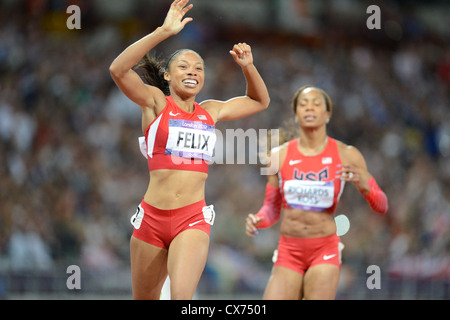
[(264, 103), (115, 70)]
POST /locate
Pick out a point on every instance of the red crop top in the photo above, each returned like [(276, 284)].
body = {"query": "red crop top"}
[(179, 140), (308, 182)]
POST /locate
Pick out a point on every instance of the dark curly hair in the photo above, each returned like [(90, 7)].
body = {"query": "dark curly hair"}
[(151, 70)]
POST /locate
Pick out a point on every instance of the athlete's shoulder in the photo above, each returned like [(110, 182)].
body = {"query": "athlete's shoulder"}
[(349, 153), (277, 157), (344, 147), (280, 151), (164, 105), (203, 114), (279, 148), (212, 107)]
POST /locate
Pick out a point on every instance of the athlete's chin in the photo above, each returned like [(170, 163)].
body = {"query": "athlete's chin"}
[(311, 125), (189, 93)]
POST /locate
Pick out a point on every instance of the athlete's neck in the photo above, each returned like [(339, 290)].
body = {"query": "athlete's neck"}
[(184, 104), (312, 143)]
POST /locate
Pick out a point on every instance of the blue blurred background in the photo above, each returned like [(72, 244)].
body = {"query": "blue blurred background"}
[(71, 173)]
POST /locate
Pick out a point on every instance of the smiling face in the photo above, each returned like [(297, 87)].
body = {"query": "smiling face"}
[(185, 74)]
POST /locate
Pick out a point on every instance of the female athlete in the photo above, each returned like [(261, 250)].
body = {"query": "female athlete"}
[(172, 223), (308, 183)]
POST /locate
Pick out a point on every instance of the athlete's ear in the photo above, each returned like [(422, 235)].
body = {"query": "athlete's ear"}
[(166, 76)]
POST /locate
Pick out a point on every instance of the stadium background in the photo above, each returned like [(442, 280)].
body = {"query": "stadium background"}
[(71, 173)]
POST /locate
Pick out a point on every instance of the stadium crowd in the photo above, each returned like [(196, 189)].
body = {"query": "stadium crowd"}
[(70, 173)]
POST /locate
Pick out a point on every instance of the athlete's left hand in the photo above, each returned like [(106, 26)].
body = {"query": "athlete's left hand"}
[(353, 174), (251, 225), (242, 54), (175, 20)]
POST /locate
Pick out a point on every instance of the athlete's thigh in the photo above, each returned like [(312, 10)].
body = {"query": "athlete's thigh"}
[(284, 284), (187, 258), (321, 282), (148, 269)]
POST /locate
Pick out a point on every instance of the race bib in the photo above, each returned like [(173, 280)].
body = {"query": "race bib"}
[(190, 139), (309, 195)]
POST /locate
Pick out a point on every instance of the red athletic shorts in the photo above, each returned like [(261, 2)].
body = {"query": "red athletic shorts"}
[(299, 254), (159, 227)]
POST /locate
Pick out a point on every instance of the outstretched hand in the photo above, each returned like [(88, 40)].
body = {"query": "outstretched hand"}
[(242, 54), (175, 20)]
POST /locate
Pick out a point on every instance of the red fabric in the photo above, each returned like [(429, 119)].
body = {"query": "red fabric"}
[(376, 198), (157, 134), (320, 167), (300, 254), (271, 208), (159, 227)]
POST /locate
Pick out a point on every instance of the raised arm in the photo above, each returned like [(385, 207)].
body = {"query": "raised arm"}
[(121, 69), (256, 96)]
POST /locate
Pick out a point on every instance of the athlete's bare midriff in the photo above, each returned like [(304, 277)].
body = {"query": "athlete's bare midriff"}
[(171, 189), (307, 224)]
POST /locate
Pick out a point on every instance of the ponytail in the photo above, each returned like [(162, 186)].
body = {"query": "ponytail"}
[(151, 70)]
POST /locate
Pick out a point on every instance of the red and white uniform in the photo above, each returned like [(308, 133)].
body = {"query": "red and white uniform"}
[(176, 140), (179, 140), (309, 182)]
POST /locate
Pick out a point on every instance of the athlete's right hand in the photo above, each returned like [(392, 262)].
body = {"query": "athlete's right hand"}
[(251, 225), (174, 21)]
